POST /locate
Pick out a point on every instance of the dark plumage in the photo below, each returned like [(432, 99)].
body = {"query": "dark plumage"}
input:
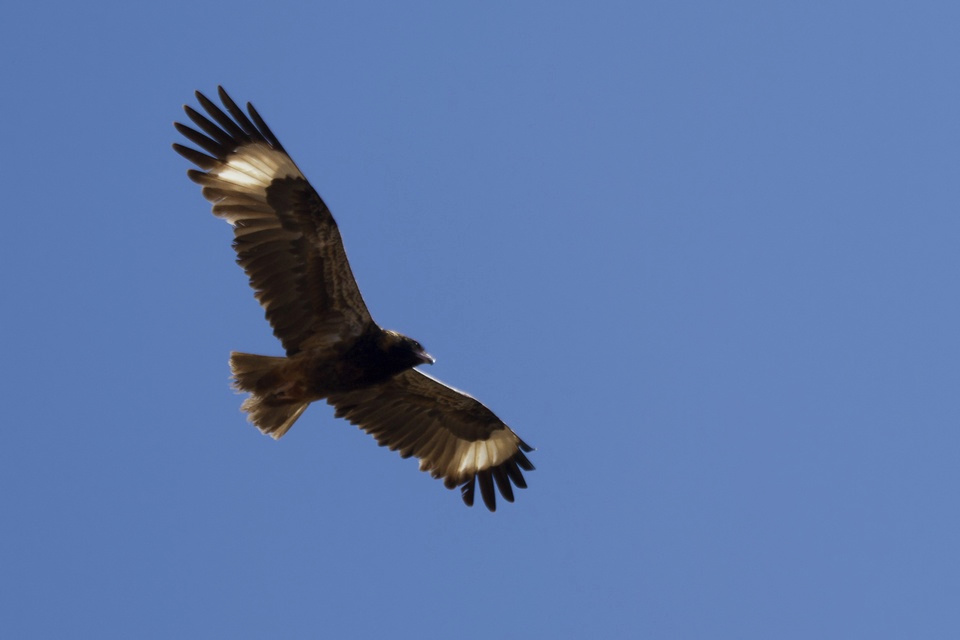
[(289, 245)]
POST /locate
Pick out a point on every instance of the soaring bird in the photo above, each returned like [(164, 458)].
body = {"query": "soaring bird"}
[(290, 247)]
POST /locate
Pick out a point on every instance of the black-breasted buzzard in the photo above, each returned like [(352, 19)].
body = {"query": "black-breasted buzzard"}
[(289, 245)]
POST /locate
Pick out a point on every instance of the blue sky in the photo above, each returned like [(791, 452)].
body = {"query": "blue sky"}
[(702, 255)]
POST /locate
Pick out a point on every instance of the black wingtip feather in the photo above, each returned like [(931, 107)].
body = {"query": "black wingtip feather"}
[(209, 127), (503, 482), (207, 144), (196, 176), (238, 115), (513, 471), (202, 160), (485, 480), (264, 129), (523, 462), (222, 119), (467, 490)]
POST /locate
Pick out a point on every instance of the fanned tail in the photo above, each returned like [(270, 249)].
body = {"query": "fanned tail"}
[(261, 377)]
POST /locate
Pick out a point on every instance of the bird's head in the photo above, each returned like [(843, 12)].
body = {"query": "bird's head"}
[(406, 349)]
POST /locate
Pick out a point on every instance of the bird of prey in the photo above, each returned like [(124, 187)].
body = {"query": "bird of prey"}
[(289, 246)]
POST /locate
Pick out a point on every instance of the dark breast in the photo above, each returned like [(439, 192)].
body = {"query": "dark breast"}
[(360, 364)]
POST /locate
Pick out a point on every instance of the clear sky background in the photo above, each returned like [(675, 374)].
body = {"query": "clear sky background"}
[(702, 255)]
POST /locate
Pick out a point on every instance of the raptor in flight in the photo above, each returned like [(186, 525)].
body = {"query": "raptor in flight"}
[(289, 246)]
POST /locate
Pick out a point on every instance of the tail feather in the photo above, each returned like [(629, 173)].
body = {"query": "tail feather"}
[(272, 419), (266, 408)]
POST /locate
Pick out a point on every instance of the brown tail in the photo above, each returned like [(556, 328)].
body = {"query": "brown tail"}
[(260, 376)]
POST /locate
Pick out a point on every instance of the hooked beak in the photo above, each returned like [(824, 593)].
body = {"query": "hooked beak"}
[(426, 358)]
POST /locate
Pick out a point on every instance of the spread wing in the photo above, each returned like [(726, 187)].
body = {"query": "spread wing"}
[(284, 235), (454, 436)]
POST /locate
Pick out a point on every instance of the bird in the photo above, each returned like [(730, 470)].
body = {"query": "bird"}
[(290, 247)]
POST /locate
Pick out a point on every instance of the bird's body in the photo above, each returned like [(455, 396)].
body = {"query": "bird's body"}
[(290, 247), (281, 385)]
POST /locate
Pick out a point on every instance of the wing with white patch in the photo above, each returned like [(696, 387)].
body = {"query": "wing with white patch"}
[(284, 235), (454, 436)]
